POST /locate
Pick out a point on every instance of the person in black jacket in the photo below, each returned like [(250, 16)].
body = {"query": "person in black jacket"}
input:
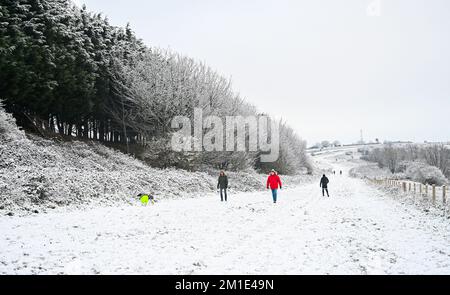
[(324, 185), (222, 184)]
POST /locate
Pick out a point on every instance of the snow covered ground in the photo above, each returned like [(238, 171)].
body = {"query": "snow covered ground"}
[(359, 230)]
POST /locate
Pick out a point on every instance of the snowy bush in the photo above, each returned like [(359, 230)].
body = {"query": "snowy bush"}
[(159, 153), (402, 166), (424, 173), (8, 128)]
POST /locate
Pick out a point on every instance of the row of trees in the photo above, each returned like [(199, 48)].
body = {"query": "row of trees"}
[(65, 70), (327, 144), (160, 85), (55, 68), (397, 158)]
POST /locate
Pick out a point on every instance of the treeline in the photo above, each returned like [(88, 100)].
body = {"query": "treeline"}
[(68, 71), (55, 69), (398, 159)]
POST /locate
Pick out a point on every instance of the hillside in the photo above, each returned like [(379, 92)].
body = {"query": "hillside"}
[(37, 174)]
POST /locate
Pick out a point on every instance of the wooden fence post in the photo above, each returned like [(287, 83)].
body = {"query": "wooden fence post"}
[(414, 188), (444, 194), (434, 194), (420, 189), (409, 187), (426, 190)]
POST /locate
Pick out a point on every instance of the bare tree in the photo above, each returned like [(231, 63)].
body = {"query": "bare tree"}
[(439, 156), (391, 158)]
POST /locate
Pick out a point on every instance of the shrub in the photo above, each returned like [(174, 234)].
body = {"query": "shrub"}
[(424, 173)]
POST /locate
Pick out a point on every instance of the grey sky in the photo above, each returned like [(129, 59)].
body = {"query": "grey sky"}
[(327, 67)]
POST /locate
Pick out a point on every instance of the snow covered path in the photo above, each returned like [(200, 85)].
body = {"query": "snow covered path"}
[(359, 230)]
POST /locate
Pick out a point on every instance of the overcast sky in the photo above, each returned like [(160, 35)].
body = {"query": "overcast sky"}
[(327, 67)]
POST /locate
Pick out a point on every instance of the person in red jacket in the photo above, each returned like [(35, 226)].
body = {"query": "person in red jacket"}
[(274, 182)]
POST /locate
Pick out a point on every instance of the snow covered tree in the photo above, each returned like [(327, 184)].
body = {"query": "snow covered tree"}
[(68, 71), (424, 173), (325, 143), (438, 155)]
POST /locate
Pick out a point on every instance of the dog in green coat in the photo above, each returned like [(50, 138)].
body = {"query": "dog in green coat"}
[(145, 198)]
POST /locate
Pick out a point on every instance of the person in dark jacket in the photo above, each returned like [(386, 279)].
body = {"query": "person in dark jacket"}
[(222, 184), (324, 185)]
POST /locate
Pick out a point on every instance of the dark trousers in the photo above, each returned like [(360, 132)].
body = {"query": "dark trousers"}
[(325, 189), (223, 191)]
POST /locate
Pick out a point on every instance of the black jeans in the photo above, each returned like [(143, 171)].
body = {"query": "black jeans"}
[(325, 189), (223, 191)]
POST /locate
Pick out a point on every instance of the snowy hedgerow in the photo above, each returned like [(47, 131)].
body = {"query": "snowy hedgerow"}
[(8, 128), (424, 173), (38, 173)]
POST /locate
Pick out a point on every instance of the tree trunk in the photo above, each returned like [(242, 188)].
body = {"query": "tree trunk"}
[(86, 129), (101, 131), (69, 129)]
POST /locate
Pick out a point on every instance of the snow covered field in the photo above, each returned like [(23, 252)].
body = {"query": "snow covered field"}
[(359, 230)]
